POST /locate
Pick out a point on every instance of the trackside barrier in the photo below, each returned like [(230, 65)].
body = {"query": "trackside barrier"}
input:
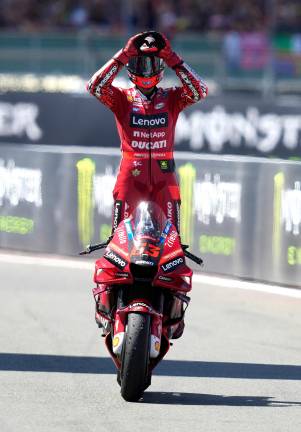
[(235, 123), (242, 215)]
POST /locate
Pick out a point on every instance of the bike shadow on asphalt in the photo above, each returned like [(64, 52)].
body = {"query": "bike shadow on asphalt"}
[(176, 368), (175, 398)]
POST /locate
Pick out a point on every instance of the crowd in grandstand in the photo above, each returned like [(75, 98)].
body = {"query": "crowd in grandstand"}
[(169, 16)]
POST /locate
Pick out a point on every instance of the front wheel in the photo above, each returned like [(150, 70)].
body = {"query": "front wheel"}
[(135, 357)]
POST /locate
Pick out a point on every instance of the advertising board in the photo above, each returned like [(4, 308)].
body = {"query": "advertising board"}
[(241, 215), (235, 124)]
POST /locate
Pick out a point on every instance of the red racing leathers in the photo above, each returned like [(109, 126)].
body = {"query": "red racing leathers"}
[(146, 129)]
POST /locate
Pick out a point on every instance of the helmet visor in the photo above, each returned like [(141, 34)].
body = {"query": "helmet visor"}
[(145, 66)]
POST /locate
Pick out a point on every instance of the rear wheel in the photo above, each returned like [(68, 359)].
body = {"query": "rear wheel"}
[(135, 357)]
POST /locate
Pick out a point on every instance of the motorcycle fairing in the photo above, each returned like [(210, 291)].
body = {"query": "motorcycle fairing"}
[(112, 268), (147, 239)]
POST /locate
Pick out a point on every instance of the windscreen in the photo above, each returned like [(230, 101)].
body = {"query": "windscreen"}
[(149, 226), (148, 221)]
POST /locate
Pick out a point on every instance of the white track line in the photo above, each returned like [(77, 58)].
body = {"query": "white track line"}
[(253, 286), (83, 264), (14, 258)]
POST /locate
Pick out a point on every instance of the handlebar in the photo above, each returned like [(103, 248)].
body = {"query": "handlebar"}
[(191, 256), (97, 246)]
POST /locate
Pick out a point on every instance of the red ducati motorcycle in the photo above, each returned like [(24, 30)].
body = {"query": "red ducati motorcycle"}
[(142, 282)]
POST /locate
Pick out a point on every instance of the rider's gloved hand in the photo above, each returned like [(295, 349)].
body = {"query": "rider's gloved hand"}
[(130, 50), (166, 53)]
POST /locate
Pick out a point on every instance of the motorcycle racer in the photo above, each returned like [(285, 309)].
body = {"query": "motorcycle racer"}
[(146, 117)]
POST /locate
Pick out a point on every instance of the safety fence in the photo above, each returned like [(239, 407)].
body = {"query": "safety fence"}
[(242, 215)]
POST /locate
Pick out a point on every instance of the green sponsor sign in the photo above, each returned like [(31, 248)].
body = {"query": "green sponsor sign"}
[(16, 225)]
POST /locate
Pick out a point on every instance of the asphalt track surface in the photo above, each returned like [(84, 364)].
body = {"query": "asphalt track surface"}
[(237, 367)]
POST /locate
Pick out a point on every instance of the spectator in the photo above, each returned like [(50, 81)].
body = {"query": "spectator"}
[(232, 51), (79, 14), (169, 16)]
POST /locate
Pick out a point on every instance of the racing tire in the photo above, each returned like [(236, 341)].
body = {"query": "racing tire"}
[(135, 357)]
